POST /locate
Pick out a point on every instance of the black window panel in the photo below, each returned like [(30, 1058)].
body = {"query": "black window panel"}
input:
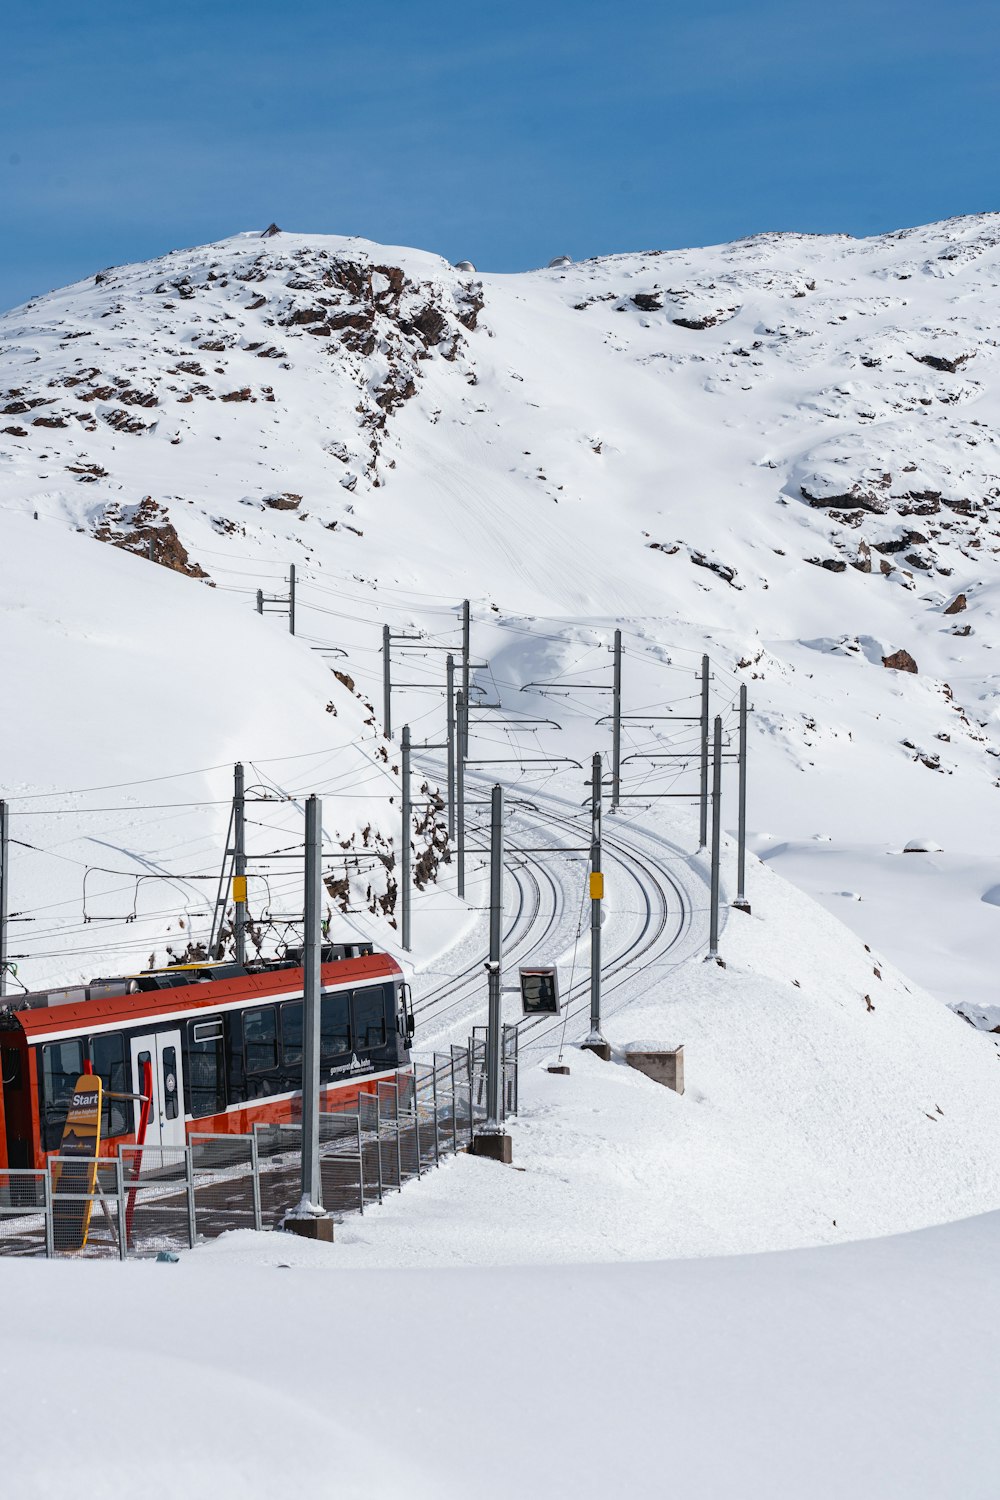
[(169, 1082), (260, 1039), (335, 1025), (369, 1017), (62, 1064), (107, 1057), (291, 1034), (205, 1077)]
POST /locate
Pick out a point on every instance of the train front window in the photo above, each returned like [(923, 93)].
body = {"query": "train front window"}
[(260, 1038), (62, 1064), (369, 1017), (107, 1057)]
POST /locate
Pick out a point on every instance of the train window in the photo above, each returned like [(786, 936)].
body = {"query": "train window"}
[(260, 1039), (369, 1017), (107, 1056), (62, 1064), (205, 1076), (291, 1033), (334, 1025), (170, 1104)]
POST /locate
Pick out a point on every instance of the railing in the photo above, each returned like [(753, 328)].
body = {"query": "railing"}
[(152, 1199)]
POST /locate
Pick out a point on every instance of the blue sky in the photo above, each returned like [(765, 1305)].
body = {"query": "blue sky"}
[(505, 132)]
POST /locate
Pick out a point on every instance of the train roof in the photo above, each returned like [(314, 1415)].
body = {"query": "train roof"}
[(48, 1023)]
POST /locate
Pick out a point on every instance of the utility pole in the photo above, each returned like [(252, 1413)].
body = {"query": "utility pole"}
[(595, 1041), (4, 887), (741, 901), (260, 601), (291, 597), (703, 823), (386, 685), (309, 1219), (239, 867), (450, 695), (463, 729), (404, 873), (492, 1141), (616, 724), (713, 930), (466, 646)]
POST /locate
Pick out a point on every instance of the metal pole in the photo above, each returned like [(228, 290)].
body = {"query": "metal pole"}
[(703, 823), (260, 601), (494, 1061), (4, 884), (450, 695), (713, 935), (741, 859), (312, 1192), (616, 724), (404, 874), (466, 639), (596, 890), (460, 789), (239, 867), (291, 597), (386, 686)]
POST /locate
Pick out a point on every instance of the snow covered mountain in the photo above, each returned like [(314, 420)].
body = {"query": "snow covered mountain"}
[(782, 451)]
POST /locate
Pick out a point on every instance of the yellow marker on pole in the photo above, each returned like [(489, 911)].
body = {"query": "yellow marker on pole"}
[(240, 889), (596, 885)]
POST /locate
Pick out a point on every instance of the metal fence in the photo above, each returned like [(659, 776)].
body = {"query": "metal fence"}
[(151, 1199)]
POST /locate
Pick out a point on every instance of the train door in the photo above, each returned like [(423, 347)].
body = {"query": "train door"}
[(166, 1110)]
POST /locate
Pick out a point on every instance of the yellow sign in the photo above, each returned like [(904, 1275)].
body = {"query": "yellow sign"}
[(74, 1180), (596, 885), (240, 890)]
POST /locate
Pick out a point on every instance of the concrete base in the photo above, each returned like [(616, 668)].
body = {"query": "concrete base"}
[(599, 1049), (662, 1065), (742, 906), (312, 1228), (558, 1068), (493, 1147)]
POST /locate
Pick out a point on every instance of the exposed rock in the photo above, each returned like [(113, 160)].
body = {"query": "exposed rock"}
[(899, 661), (146, 528), (863, 561), (957, 605), (648, 301), (938, 362), (286, 501)]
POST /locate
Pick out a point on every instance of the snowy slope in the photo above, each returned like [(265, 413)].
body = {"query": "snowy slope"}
[(669, 441)]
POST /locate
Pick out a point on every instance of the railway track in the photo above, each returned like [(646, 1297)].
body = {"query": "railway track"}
[(548, 921)]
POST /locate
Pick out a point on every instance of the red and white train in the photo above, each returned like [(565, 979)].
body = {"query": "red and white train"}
[(223, 1043)]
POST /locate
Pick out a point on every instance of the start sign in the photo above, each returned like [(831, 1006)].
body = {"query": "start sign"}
[(540, 991)]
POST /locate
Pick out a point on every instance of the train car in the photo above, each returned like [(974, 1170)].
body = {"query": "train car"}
[(224, 1043)]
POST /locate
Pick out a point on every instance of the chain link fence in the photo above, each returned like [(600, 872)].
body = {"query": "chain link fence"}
[(154, 1199)]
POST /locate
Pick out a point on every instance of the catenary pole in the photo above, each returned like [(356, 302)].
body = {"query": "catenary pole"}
[(466, 647), (239, 866), (386, 685), (404, 874), (291, 597), (462, 714), (596, 892), (4, 894), (312, 1192), (703, 820), (260, 601), (741, 862), (616, 724), (494, 1018), (450, 694), (713, 932)]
